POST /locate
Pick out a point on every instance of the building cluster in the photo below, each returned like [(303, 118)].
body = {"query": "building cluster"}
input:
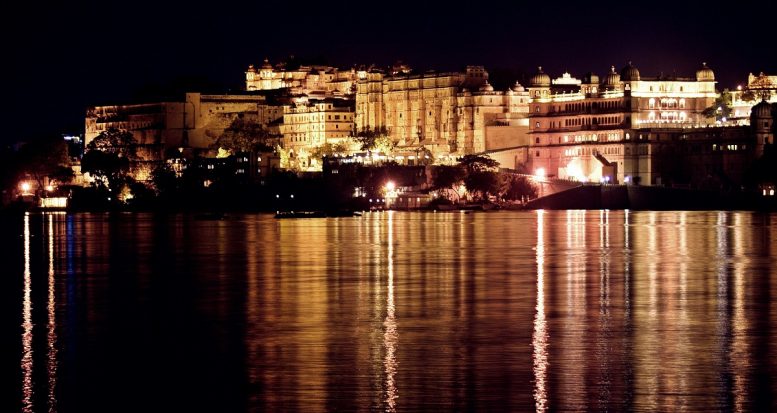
[(622, 127)]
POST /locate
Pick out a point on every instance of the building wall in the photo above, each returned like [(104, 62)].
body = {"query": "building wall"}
[(304, 80), (506, 136), (445, 112), (577, 130), (314, 123), (210, 115)]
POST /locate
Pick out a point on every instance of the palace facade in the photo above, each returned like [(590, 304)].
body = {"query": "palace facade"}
[(759, 87), (303, 80), (594, 129), (443, 112), (312, 123)]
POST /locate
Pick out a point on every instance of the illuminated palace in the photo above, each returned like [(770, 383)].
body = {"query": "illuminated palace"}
[(309, 124), (584, 129), (758, 88), (302, 80), (443, 112)]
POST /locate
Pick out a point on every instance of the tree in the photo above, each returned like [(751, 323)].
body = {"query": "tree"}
[(515, 187), (164, 179), (721, 109), (482, 183), (478, 163), (245, 135), (108, 169), (446, 177), (114, 141), (376, 140), (45, 159), (328, 149)]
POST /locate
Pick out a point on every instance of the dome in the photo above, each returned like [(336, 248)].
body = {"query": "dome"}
[(541, 79), (591, 78), (763, 110), (629, 73), (518, 87), (613, 78), (486, 87), (266, 64), (466, 92), (251, 68), (705, 74)]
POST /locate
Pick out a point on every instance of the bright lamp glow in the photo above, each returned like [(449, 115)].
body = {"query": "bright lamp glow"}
[(539, 172), (390, 186), (25, 186)]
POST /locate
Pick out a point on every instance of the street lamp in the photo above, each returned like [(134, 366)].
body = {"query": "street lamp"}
[(390, 190), (25, 187)]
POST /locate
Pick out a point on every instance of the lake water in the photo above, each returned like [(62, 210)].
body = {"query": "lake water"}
[(391, 311)]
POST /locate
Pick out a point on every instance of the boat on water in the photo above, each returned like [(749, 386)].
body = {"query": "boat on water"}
[(316, 214)]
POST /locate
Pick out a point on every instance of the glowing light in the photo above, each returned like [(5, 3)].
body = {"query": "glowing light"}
[(540, 173), (575, 172), (26, 187), (390, 186), (49, 188), (627, 179)]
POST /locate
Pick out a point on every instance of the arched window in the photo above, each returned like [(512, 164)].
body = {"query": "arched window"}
[(682, 103), (651, 103)]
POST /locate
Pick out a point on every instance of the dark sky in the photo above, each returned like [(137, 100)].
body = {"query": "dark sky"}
[(65, 57)]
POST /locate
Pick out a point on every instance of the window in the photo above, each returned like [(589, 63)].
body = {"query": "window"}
[(537, 125), (537, 140), (537, 154)]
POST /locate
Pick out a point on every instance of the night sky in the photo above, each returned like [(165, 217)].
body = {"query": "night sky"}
[(65, 57)]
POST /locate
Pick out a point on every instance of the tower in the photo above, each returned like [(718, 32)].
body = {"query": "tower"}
[(761, 121)]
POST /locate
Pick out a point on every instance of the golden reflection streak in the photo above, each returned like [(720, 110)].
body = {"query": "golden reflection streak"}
[(626, 266), (52, 325), (540, 336), (740, 349), (723, 332), (390, 337), (27, 323)]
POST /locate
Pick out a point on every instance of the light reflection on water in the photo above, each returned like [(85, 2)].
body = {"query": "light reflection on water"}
[(540, 337), (544, 310), (27, 388)]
